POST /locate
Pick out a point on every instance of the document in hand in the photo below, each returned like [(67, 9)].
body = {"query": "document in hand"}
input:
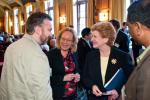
[(116, 81)]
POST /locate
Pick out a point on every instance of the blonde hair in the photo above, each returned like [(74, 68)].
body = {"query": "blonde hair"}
[(75, 40), (106, 30)]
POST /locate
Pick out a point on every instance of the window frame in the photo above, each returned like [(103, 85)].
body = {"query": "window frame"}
[(48, 11), (78, 4)]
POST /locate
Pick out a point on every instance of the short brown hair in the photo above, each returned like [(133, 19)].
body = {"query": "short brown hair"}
[(106, 30), (35, 19), (74, 46)]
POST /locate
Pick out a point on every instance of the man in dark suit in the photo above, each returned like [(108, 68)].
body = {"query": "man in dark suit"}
[(137, 87), (84, 46), (122, 39)]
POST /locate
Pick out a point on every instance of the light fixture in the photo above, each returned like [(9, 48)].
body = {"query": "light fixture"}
[(103, 15), (62, 19)]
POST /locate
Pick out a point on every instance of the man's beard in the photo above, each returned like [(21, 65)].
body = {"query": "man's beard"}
[(43, 39)]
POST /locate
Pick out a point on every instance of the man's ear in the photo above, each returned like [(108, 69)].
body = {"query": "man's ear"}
[(37, 29), (138, 28)]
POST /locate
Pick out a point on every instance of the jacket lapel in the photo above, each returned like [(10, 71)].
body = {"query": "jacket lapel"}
[(60, 58), (111, 66), (98, 66), (139, 65), (142, 60)]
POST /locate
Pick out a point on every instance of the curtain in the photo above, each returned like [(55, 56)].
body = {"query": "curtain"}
[(19, 20), (6, 22), (117, 9), (34, 6), (56, 17), (69, 12), (25, 13), (38, 6), (90, 13)]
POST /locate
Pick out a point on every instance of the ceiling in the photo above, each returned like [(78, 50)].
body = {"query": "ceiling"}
[(9, 4)]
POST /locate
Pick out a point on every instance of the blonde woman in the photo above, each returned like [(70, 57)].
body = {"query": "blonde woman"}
[(102, 63), (64, 66)]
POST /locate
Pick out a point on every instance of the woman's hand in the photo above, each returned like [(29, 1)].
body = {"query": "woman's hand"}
[(69, 77), (113, 94), (77, 77), (96, 90)]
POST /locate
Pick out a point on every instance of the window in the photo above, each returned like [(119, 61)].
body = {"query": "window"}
[(29, 10), (127, 5), (79, 15), (49, 10), (16, 24)]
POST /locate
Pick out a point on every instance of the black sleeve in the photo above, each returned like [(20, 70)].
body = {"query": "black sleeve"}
[(125, 44), (128, 65), (75, 56), (56, 77), (86, 79), (81, 54)]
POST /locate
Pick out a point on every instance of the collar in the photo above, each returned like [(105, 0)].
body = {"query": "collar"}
[(30, 37), (143, 54)]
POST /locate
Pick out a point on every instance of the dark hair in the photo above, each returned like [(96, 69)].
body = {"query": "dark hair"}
[(71, 26), (36, 19), (86, 31), (124, 23), (139, 11), (115, 23)]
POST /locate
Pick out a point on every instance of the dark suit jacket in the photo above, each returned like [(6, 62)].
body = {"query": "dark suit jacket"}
[(58, 72), (122, 41), (138, 85), (82, 49), (92, 72), (135, 49)]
